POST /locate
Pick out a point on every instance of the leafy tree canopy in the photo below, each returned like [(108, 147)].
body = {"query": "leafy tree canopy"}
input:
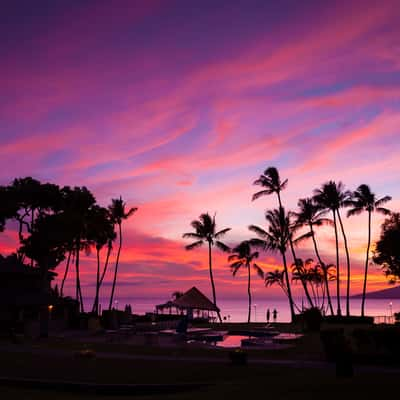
[(387, 251)]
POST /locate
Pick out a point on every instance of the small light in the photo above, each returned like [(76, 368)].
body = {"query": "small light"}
[(50, 307)]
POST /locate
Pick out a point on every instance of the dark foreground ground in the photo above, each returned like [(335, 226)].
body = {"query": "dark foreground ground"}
[(225, 381)]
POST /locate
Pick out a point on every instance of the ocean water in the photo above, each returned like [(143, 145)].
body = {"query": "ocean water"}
[(237, 310)]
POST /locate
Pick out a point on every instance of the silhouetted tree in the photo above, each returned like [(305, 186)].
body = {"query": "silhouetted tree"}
[(276, 238), (365, 200), (276, 278), (271, 181), (206, 232), (309, 216), (243, 257), (387, 249), (332, 196), (76, 205), (118, 214), (46, 245), (100, 232), (66, 271), (300, 274)]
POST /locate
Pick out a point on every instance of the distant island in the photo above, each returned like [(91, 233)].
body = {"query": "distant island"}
[(391, 293)]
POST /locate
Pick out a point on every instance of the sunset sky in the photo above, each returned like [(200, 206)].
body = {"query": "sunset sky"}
[(178, 106)]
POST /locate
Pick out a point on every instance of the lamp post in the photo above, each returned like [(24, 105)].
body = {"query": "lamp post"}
[(391, 311), (255, 312)]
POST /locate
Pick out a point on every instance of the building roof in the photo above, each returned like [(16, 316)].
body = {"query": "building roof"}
[(194, 299)]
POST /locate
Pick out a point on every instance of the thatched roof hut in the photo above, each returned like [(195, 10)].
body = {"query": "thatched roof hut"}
[(193, 299), (190, 301)]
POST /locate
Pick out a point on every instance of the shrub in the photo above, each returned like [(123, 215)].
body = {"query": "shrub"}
[(312, 318)]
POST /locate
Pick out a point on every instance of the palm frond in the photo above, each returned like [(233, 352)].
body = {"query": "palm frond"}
[(222, 233), (383, 211), (222, 246), (259, 231), (235, 267), (131, 212), (194, 245), (233, 257), (192, 235), (259, 270), (258, 243), (355, 211), (383, 200), (260, 193), (301, 238)]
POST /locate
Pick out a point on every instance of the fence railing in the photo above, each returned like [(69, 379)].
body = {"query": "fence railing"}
[(384, 319)]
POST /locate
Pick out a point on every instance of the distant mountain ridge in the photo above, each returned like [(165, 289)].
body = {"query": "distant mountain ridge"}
[(391, 293)]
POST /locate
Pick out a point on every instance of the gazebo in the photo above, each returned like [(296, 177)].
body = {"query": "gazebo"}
[(190, 303)]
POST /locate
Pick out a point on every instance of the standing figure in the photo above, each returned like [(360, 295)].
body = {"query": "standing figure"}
[(274, 314), (268, 315)]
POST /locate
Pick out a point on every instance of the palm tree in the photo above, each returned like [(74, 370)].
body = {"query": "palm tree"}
[(277, 277), (206, 232), (65, 273), (365, 200), (332, 196), (271, 182), (76, 205), (300, 274), (100, 232), (276, 238), (118, 214), (242, 256), (311, 215)]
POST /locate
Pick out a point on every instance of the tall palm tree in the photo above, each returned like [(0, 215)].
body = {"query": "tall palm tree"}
[(118, 214), (311, 215), (271, 182), (242, 256), (76, 205), (363, 199), (65, 273), (100, 232), (332, 196), (276, 238), (206, 232)]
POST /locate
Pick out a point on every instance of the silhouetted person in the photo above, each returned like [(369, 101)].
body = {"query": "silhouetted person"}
[(268, 315), (274, 314)]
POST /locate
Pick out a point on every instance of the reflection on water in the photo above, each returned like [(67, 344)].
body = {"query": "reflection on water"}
[(233, 340)]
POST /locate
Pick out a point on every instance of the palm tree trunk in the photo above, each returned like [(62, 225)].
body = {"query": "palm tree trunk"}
[(339, 310), (78, 279), (105, 265), (289, 292), (116, 268), (32, 222), (249, 293), (95, 307), (366, 266), (212, 280), (346, 248), (328, 295), (65, 274), (303, 282), (279, 199)]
